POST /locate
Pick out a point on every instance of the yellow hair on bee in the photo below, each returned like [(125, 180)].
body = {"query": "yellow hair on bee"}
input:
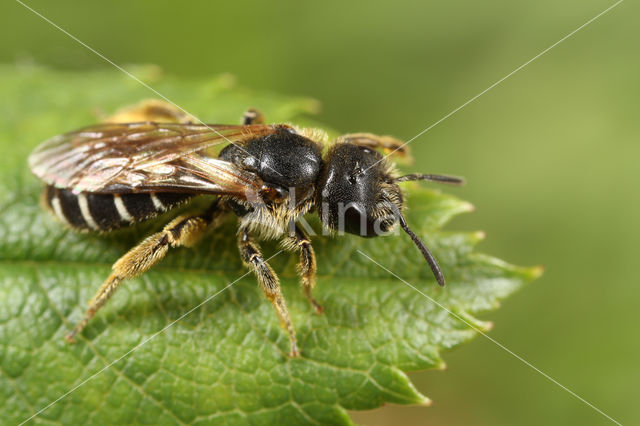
[(316, 135)]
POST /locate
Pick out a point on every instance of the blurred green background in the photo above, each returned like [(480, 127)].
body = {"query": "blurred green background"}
[(551, 156)]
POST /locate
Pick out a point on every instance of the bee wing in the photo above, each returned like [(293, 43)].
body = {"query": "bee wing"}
[(145, 157)]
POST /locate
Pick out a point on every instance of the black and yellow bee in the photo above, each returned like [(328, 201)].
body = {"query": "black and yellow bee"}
[(115, 174)]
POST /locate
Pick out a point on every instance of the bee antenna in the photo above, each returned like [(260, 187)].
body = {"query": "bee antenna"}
[(433, 264), (452, 180)]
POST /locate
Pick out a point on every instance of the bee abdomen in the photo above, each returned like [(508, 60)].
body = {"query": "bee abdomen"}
[(106, 212)]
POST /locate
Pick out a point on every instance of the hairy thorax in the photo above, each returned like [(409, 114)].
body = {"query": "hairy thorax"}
[(289, 164)]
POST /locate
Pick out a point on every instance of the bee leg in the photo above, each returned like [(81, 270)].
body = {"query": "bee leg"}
[(307, 264), (388, 144), (252, 116), (182, 231), (152, 110), (268, 280)]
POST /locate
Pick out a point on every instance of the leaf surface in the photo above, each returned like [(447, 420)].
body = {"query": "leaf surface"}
[(225, 360)]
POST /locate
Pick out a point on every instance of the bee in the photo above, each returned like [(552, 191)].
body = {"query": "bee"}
[(115, 174)]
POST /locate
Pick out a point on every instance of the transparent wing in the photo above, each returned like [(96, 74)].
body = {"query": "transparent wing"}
[(145, 157)]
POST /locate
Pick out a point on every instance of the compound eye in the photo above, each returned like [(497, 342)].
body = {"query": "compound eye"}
[(357, 221)]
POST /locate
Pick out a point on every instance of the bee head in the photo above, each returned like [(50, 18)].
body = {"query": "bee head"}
[(358, 194)]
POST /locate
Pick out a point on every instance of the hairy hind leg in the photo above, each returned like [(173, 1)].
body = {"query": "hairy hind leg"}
[(388, 144), (307, 264), (268, 280), (182, 231), (252, 116), (152, 110)]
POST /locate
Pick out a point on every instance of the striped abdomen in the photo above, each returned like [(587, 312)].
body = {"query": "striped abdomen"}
[(105, 212)]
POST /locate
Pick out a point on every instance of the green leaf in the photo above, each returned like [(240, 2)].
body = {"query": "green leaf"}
[(224, 362)]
